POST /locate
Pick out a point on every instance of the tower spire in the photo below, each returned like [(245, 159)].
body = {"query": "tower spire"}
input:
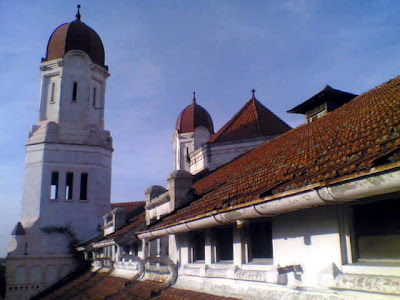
[(78, 14), (194, 96), (253, 97)]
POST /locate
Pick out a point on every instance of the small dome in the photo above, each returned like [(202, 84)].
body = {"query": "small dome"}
[(194, 116), (75, 35)]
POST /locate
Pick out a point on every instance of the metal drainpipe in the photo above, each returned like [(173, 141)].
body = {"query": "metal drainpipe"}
[(141, 268), (173, 273)]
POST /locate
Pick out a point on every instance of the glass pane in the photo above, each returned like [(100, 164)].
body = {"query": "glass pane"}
[(377, 229)]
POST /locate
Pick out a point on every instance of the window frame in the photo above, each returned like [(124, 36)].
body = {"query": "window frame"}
[(193, 238), (217, 243), (75, 91), (350, 259), (69, 186), (356, 255), (249, 240), (55, 181), (52, 92), (84, 184), (94, 97)]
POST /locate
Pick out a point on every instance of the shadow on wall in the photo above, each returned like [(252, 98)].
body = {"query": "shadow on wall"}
[(307, 223)]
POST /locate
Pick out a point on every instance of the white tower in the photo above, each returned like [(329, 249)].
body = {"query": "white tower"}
[(194, 128), (68, 163)]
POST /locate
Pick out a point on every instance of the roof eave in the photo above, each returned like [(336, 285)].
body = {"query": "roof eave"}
[(306, 197)]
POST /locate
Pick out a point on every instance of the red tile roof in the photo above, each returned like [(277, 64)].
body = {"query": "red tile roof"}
[(357, 136), (128, 206), (252, 120), (104, 286)]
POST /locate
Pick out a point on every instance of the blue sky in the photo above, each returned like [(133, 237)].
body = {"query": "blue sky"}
[(158, 52)]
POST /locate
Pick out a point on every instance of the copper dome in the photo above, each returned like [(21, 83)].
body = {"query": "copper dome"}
[(194, 116), (75, 35)]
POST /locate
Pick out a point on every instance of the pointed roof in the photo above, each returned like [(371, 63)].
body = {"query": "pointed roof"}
[(328, 94), (252, 120)]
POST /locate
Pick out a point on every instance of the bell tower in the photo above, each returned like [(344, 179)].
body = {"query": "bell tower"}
[(68, 163)]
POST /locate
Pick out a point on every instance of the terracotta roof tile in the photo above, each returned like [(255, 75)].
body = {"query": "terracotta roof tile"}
[(252, 120), (128, 206), (357, 136), (104, 286)]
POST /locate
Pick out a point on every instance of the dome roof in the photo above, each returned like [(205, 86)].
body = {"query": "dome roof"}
[(194, 116), (75, 35)]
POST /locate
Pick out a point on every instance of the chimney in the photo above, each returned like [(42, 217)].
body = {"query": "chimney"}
[(179, 184), (152, 193)]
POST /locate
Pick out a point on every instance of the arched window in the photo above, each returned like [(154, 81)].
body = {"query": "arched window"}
[(20, 275), (65, 270), (51, 274), (36, 275)]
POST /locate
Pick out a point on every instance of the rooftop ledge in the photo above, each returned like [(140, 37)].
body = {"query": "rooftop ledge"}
[(373, 268)]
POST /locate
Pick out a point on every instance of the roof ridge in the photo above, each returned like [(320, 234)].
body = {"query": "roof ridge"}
[(257, 115), (128, 202), (252, 120)]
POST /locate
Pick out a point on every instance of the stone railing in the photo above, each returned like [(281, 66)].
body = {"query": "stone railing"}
[(127, 264), (271, 275), (368, 283)]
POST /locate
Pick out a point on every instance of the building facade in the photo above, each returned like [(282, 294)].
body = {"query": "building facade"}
[(310, 214), (255, 211)]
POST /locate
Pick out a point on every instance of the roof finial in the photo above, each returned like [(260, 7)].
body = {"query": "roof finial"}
[(253, 97), (194, 96), (78, 14)]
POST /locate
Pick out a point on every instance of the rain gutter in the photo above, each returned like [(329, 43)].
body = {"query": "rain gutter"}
[(378, 182)]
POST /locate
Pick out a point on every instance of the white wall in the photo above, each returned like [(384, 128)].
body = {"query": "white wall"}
[(310, 238), (213, 155)]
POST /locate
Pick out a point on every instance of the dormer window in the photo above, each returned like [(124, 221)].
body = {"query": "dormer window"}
[(317, 112), (114, 220), (322, 103), (74, 91)]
